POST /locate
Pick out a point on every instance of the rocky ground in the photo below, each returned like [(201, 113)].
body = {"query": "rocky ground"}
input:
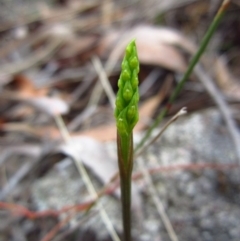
[(202, 204)]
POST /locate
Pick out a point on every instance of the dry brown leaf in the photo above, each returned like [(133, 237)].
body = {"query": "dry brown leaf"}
[(25, 87), (93, 154), (27, 92), (163, 55), (43, 132), (155, 46), (100, 133), (50, 105), (226, 81)]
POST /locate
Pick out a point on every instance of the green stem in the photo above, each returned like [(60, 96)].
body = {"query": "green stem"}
[(125, 162), (190, 68), (126, 206)]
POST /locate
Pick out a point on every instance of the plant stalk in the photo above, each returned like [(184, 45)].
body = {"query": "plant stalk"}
[(125, 162)]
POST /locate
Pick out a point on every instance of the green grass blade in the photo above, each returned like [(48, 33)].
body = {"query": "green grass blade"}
[(192, 64)]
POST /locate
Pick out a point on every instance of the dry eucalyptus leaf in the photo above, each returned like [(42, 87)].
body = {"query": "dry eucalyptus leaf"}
[(28, 93), (100, 133), (156, 46), (50, 105), (93, 154), (43, 132), (225, 80), (162, 55), (25, 87)]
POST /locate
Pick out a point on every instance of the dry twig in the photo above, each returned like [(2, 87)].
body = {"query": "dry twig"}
[(104, 80), (222, 105), (87, 181), (157, 201)]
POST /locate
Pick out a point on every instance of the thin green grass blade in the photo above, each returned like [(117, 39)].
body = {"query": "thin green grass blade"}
[(192, 64)]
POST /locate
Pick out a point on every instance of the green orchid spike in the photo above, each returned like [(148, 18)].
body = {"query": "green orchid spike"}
[(126, 114), (126, 111)]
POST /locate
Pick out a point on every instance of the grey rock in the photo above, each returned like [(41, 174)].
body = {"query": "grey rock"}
[(197, 208)]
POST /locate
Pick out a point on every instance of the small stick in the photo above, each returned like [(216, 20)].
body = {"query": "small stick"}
[(157, 201), (183, 111), (222, 105), (104, 80), (86, 179)]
